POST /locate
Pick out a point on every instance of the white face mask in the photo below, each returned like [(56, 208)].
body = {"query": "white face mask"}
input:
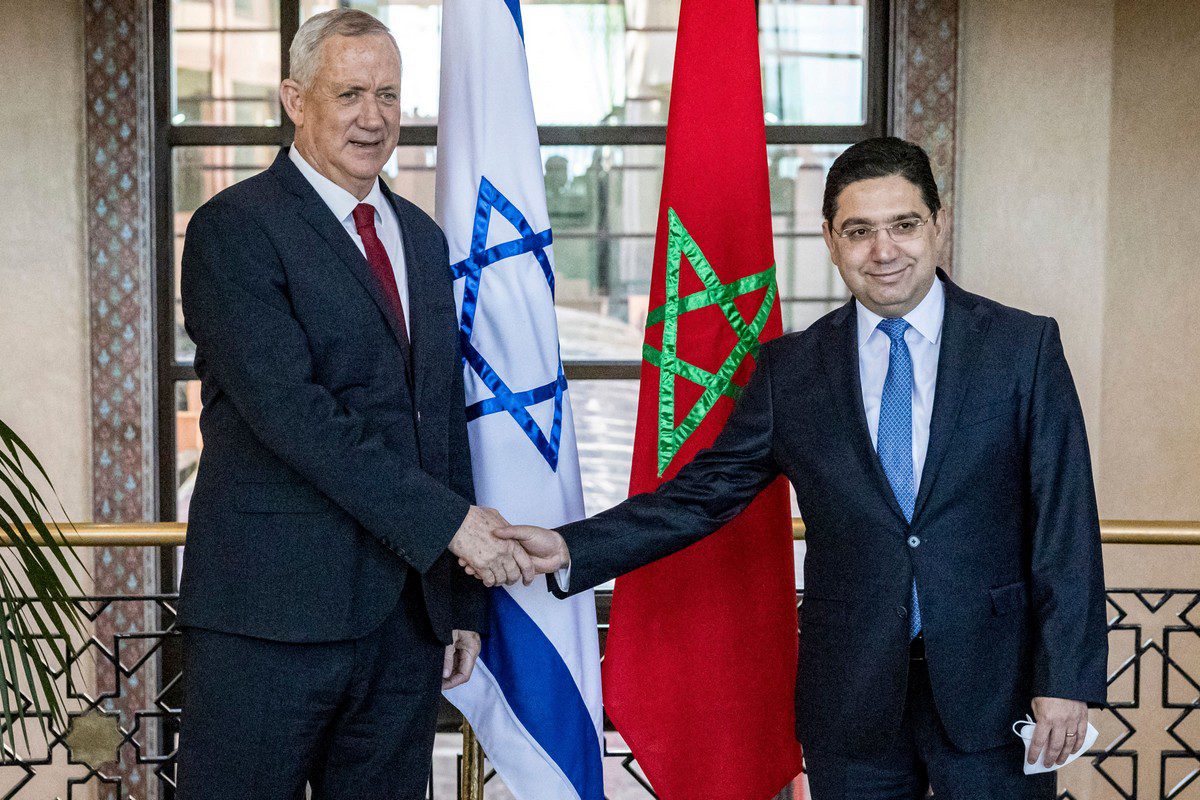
[(1025, 727)]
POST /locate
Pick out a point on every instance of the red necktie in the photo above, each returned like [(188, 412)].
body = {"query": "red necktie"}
[(377, 257)]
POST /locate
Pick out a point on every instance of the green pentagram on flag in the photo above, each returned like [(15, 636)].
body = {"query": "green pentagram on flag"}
[(715, 384)]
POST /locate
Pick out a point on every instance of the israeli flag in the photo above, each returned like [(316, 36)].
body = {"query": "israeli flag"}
[(534, 698)]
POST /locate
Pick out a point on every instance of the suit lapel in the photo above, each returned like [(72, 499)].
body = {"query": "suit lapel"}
[(419, 317), (431, 333), (317, 214), (840, 354), (964, 328)]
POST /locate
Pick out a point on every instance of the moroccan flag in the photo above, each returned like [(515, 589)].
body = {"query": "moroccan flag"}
[(700, 662)]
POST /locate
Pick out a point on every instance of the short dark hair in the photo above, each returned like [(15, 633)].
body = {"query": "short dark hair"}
[(880, 157)]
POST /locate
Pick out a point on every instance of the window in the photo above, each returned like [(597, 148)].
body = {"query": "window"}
[(601, 77)]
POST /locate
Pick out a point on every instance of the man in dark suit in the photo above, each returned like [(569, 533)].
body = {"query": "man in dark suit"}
[(953, 577), (321, 607)]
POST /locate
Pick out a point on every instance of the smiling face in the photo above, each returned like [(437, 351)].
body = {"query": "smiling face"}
[(348, 117), (888, 277)]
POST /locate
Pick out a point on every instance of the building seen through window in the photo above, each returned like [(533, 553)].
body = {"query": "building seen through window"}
[(600, 70)]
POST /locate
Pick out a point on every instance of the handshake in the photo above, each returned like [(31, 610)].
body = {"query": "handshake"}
[(498, 553)]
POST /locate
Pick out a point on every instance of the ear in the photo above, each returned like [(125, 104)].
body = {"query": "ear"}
[(292, 98), (831, 241), (941, 227)]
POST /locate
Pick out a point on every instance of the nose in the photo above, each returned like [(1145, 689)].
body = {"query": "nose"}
[(369, 116), (883, 248)]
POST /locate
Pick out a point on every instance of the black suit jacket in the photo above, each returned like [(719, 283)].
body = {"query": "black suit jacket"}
[(326, 482), (1004, 542)]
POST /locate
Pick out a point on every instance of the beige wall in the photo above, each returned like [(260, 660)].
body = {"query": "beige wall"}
[(1035, 86), (1150, 415), (43, 307), (44, 385), (1078, 171), (1078, 166)]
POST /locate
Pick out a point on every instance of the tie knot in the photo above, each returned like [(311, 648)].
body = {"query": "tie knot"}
[(364, 216), (893, 328)]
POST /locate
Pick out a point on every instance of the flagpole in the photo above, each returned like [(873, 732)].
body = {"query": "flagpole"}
[(470, 779)]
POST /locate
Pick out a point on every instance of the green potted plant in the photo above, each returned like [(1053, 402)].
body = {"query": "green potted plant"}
[(38, 573)]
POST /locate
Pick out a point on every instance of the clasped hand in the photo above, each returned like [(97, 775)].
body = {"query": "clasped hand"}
[(498, 553)]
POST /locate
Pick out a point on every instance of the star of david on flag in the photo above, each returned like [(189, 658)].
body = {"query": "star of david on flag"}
[(471, 268)]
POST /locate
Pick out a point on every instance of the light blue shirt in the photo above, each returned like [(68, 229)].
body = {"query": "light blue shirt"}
[(923, 338), (342, 204)]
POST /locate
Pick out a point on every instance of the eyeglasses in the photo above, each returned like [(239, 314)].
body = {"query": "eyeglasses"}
[(904, 230)]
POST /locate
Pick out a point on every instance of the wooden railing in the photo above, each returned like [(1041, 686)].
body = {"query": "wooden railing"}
[(174, 534)]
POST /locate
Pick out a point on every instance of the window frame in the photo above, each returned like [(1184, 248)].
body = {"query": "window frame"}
[(166, 136)]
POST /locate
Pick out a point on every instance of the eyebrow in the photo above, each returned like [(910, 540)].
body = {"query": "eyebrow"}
[(356, 87), (894, 218)]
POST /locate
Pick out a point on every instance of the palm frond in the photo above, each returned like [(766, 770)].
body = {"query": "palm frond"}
[(38, 618)]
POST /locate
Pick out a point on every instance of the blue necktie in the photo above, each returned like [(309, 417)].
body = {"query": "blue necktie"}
[(894, 439)]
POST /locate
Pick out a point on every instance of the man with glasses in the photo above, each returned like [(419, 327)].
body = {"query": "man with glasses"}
[(953, 577)]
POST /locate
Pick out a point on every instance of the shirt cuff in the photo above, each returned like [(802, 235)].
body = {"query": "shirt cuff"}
[(563, 577)]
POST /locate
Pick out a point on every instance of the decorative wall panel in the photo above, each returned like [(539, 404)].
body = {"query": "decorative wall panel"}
[(120, 288), (925, 86)]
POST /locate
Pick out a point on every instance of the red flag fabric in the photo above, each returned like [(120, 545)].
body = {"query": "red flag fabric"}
[(700, 660)]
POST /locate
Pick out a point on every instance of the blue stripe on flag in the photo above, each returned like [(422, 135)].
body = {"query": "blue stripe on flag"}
[(515, 7), (495, 405), (549, 706)]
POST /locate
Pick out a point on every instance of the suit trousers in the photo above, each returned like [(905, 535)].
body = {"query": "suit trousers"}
[(923, 757), (352, 719)]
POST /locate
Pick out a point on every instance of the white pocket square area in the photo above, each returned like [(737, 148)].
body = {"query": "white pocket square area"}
[(1025, 728)]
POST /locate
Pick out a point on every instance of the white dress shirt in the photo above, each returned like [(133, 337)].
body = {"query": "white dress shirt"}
[(923, 337), (387, 224)]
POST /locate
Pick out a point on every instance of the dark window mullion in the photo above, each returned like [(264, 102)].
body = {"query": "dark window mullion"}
[(230, 135), (162, 256), (818, 134), (289, 23), (221, 31), (549, 135), (878, 76), (162, 260), (602, 370), (182, 372)]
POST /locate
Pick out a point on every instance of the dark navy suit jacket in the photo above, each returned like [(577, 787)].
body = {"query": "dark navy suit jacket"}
[(326, 482), (1004, 542)]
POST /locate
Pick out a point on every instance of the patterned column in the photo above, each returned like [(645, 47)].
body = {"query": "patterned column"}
[(925, 86), (120, 284)]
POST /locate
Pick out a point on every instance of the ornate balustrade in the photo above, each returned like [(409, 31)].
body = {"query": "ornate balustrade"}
[(1149, 743)]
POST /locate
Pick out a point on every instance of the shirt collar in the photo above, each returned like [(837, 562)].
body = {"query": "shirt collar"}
[(340, 202), (926, 318)]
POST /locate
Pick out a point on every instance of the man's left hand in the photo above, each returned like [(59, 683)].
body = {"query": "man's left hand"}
[(1061, 726), (460, 659)]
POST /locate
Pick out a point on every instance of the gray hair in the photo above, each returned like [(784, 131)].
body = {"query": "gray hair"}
[(306, 48)]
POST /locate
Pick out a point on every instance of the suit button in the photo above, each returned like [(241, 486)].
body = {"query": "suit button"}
[(901, 612), (914, 541)]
